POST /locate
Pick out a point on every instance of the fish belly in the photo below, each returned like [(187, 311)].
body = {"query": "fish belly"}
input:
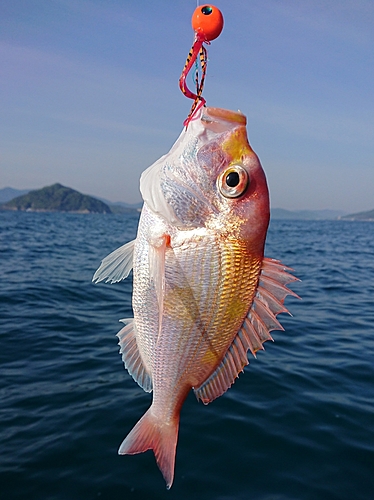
[(208, 285)]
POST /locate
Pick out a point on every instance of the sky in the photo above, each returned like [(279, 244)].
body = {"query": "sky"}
[(89, 93)]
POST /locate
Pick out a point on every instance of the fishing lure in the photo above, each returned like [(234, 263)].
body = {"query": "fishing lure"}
[(207, 22)]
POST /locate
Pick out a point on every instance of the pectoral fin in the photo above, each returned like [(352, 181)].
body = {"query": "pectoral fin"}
[(260, 321), (117, 265)]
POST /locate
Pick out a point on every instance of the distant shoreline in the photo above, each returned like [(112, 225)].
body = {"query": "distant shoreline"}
[(43, 210), (55, 196)]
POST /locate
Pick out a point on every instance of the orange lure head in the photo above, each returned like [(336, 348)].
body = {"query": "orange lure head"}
[(207, 21)]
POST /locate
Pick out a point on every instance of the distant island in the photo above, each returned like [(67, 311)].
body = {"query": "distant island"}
[(368, 216), (281, 213), (57, 198)]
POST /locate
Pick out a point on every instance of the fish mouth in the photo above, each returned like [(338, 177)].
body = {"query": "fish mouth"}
[(212, 114)]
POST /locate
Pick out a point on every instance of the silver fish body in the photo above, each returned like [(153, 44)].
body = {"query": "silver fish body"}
[(203, 293)]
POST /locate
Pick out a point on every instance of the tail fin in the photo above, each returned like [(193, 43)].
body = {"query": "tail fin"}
[(150, 433)]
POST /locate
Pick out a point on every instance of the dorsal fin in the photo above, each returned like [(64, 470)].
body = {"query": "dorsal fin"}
[(260, 321), (117, 265), (131, 355)]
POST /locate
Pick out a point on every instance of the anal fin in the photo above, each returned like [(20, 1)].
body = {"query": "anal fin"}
[(224, 376), (259, 322)]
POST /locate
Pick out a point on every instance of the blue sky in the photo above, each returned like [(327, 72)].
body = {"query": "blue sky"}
[(89, 93)]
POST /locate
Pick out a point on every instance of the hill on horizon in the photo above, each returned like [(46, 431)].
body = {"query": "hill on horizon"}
[(56, 198), (8, 193), (281, 213), (369, 215)]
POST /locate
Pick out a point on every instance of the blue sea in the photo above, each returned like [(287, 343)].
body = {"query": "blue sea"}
[(298, 424)]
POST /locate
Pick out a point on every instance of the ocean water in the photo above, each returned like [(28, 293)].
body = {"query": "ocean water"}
[(298, 424)]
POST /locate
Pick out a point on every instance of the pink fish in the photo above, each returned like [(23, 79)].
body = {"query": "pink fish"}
[(203, 293)]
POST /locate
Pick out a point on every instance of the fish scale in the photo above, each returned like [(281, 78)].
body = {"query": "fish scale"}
[(203, 292)]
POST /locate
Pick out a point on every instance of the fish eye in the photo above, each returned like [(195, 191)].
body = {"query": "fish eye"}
[(233, 181)]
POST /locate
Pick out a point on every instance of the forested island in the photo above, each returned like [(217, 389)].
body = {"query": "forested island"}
[(368, 216), (57, 198)]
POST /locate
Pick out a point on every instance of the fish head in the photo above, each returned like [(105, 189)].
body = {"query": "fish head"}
[(211, 178)]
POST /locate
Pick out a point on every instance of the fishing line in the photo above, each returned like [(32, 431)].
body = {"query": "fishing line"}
[(207, 22)]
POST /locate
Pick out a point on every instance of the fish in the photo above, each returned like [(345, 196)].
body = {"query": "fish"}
[(203, 292)]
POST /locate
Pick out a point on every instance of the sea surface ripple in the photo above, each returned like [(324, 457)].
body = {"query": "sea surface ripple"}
[(298, 424)]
